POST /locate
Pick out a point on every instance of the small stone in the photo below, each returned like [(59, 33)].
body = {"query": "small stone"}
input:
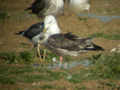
[(69, 77), (113, 50), (66, 65), (34, 84), (119, 46), (38, 83), (54, 59)]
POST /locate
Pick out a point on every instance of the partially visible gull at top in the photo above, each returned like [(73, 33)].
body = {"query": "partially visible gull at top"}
[(79, 5), (34, 34), (47, 7), (67, 43)]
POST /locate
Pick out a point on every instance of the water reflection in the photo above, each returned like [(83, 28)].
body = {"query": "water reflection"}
[(65, 65), (101, 18)]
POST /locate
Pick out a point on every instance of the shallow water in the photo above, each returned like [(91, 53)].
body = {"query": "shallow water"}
[(101, 18), (65, 65)]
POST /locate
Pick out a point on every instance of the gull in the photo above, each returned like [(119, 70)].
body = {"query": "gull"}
[(65, 43), (34, 34), (47, 7)]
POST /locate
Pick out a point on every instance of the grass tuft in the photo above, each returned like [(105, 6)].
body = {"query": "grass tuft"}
[(103, 67), (106, 36), (3, 15), (13, 57), (9, 57), (47, 87), (106, 66), (7, 80), (26, 56)]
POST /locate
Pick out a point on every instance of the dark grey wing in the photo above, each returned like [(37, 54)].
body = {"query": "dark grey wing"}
[(81, 41), (62, 42), (59, 41), (87, 44), (34, 30), (70, 36), (39, 6)]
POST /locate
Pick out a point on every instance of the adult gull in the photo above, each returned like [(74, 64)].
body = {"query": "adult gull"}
[(34, 34), (47, 7)]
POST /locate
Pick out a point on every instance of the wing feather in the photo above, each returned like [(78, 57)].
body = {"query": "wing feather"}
[(60, 41), (34, 30)]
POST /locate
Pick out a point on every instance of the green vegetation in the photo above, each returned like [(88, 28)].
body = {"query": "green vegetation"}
[(44, 76), (111, 84), (83, 19), (106, 66), (103, 67), (3, 15), (107, 36), (24, 45), (49, 55), (27, 74), (22, 70), (8, 73), (9, 57), (79, 76), (13, 57), (27, 57), (47, 87)]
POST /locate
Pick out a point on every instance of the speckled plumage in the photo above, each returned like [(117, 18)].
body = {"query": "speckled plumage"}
[(69, 44), (65, 44)]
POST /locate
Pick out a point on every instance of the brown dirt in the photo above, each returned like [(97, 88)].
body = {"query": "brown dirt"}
[(68, 23)]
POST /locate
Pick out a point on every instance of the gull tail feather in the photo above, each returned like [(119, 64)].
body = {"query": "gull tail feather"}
[(98, 47), (20, 33), (95, 48), (29, 8)]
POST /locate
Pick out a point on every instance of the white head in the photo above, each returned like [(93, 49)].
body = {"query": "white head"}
[(51, 26), (49, 21)]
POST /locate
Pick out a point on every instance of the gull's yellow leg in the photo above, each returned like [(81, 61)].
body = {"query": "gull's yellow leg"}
[(35, 53), (38, 50), (44, 54), (39, 55)]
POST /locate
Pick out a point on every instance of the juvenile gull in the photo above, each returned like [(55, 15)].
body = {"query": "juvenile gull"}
[(67, 43), (34, 34), (47, 7)]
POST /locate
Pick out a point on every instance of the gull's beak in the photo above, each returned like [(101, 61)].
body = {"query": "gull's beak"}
[(44, 30), (46, 26)]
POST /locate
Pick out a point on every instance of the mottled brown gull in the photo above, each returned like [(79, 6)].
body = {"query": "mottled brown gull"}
[(65, 43)]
